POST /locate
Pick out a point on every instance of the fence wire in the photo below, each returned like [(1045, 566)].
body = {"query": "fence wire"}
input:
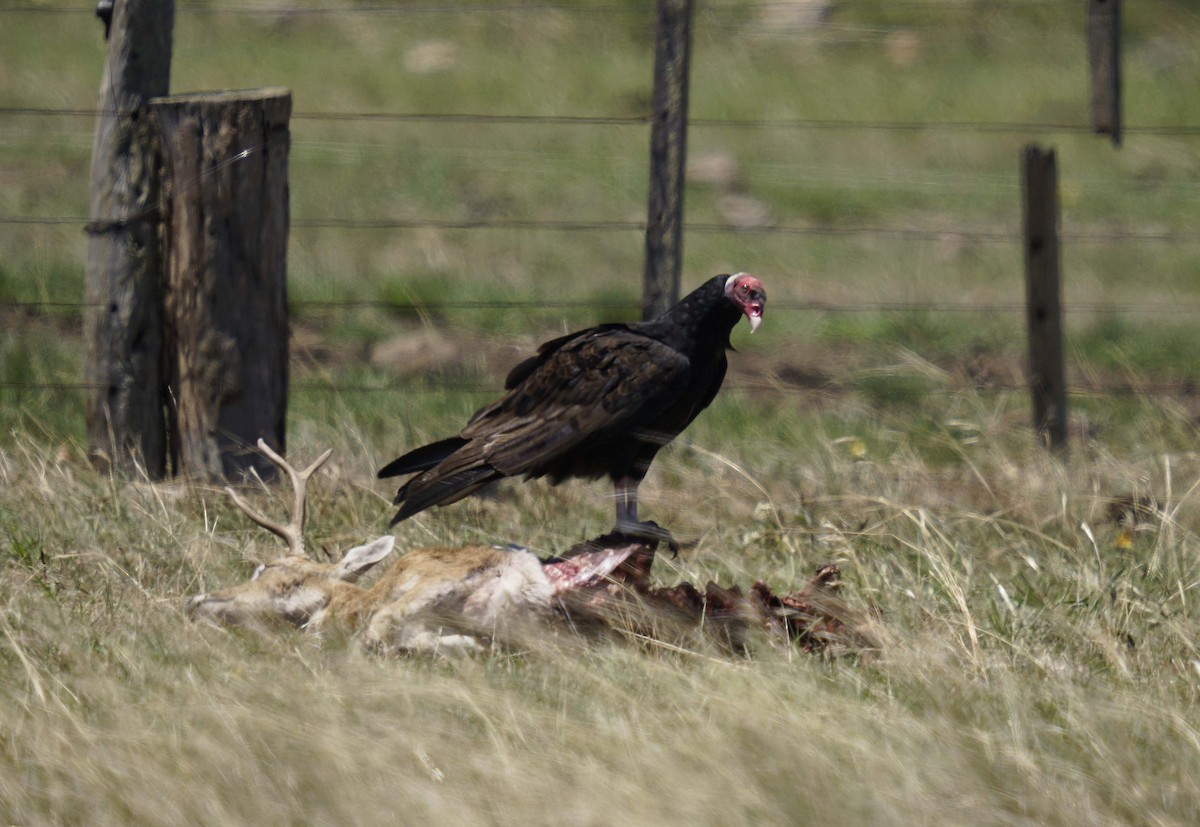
[(303, 307), (902, 233), (830, 388), (825, 124), (415, 9)]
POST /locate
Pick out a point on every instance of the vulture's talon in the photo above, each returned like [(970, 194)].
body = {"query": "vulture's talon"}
[(650, 531)]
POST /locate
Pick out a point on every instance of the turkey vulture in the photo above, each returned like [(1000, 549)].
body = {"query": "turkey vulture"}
[(597, 402)]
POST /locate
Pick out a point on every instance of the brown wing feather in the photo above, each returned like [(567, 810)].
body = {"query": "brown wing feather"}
[(591, 388)]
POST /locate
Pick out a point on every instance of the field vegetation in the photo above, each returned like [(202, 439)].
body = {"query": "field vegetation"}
[(1039, 619)]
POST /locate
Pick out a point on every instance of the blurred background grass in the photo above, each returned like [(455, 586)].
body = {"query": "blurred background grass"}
[(852, 154)]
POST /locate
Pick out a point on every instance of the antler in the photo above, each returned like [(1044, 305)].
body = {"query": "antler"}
[(293, 532)]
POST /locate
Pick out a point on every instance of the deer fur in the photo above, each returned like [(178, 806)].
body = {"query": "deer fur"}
[(431, 599)]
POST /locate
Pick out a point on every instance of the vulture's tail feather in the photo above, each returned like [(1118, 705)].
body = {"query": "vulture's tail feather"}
[(423, 458), (419, 493)]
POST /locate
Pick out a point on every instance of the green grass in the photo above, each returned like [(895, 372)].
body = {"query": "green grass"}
[(1037, 668)]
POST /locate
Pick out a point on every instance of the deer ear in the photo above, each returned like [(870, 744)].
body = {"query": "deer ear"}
[(360, 559)]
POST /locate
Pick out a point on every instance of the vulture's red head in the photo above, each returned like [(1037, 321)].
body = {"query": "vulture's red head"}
[(747, 293)]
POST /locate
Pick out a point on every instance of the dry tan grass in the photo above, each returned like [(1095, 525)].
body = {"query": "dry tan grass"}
[(1030, 676)]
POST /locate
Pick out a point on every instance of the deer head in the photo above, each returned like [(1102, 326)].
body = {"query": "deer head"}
[(295, 588)]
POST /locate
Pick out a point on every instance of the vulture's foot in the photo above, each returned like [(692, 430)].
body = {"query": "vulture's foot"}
[(650, 531)]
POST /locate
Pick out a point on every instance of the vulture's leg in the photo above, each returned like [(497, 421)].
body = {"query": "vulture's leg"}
[(627, 520), (626, 496)]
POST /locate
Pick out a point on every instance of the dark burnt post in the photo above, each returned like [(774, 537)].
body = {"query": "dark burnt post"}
[(225, 230), (1104, 65), (123, 316), (1043, 297), (668, 154)]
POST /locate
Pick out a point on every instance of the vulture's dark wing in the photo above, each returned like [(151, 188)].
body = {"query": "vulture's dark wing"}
[(592, 386), (547, 350), (581, 390)]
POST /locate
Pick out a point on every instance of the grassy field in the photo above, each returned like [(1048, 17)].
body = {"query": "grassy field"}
[(1040, 662)]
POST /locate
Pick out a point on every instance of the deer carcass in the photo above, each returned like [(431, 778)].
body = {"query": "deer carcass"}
[(430, 599), (459, 599)]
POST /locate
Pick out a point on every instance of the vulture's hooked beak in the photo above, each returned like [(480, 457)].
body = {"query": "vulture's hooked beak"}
[(754, 314)]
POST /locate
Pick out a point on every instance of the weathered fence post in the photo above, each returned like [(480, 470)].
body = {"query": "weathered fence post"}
[(668, 155), (123, 316), (1104, 63), (1043, 297), (225, 228)]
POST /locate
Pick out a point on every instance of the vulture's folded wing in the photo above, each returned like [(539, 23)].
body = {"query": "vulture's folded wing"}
[(593, 387)]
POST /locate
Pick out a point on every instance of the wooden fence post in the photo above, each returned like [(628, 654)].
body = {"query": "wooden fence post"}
[(1104, 63), (1043, 297), (123, 315), (225, 228), (668, 154)]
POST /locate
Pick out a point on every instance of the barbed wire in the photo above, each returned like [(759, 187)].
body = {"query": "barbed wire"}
[(360, 10), (903, 233), (828, 124), (831, 387), (301, 307), (502, 8)]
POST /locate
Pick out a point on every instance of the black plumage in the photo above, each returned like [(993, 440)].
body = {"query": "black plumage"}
[(598, 402), (104, 10)]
